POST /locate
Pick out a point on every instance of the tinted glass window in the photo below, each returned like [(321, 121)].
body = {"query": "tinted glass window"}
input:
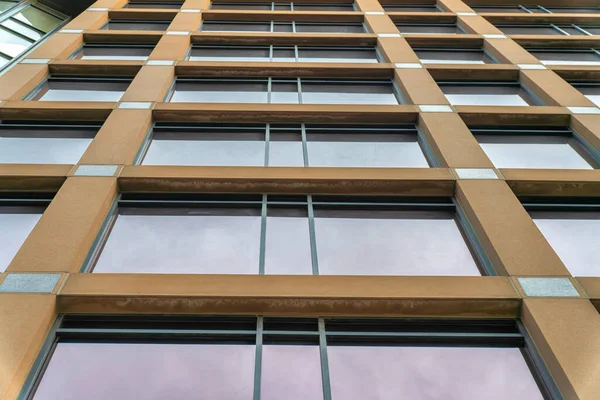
[(112, 52), (487, 95), (16, 225), (137, 25), (221, 91), (22, 144), (573, 236), (499, 9), (391, 243), (224, 26), (315, 54), (549, 57), (12, 44), (453, 57), (424, 28), (592, 92), (96, 371), (348, 93), (465, 373), (329, 28), (38, 19), (534, 151), (81, 90), (410, 7), (159, 5), (529, 30), (183, 241), (230, 53)]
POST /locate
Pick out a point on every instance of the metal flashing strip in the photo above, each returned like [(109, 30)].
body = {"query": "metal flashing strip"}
[(29, 283), (548, 287)]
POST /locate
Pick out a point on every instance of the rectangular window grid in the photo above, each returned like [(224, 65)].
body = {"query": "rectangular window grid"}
[(283, 26), (265, 347), (275, 6), (267, 229)]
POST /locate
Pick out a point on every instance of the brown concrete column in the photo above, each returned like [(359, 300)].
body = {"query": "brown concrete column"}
[(567, 335), (454, 6), (552, 89), (150, 84), (109, 4), (380, 24), (88, 20), (196, 5), (62, 238), (119, 139), (186, 22), (477, 24), (369, 6), (21, 79), (60, 45), (26, 321), (397, 50), (588, 126), (452, 142), (508, 51), (171, 48), (418, 87), (513, 243)]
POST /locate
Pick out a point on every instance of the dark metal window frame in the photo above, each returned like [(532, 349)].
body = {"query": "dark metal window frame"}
[(456, 25), (459, 50), (151, 4), (537, 101), (316, 331), (112, 46), (275, 4), (297, 81), (557, 27), (302, 131), (583, 147), (293, 24), (137, 22), (75, 79), (307, 205), (17, 8), (398, 7), (274, 47)]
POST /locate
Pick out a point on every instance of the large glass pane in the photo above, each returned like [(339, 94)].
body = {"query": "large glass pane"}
[(5, 5), (291, 373), (322, 7), (137, 25), (11, 44), (288, 243), (81, 91), (16, 226), (240, 6), (153, 4), (423, 373), (148, 371), (285, 149), (391, 243), (348, 93), (428, 28), (235, 26), (592, 93), (529, 30), (593, 30), (487, 95), (113, 53), (329, 28), (499, 9), (284, 92), (207, 241), (232, 53), (567, 57), (339, 55), (38, 19), (453, 57), (365, 151), (574, 237), (206, 148), (410, 7), (22, 29), (535, 151), (23, 150), (574, 10), (221, 92)]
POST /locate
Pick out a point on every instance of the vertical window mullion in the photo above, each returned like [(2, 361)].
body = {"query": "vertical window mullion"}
[(580, 29), (258, 358), (544, 9), (313, 236), (292, 6), (304, 145), (267, 143), (293, 26), (560, 30), (263, 236), (271, 53), (526, 9), (269, 86), (324, 361), (272, 26), (299, 89), (296, 54)]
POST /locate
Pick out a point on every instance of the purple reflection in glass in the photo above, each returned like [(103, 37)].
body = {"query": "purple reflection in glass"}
[(430, 373), (141, 371), (291, 373)]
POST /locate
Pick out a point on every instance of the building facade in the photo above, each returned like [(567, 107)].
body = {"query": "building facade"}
[(300, 200)]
